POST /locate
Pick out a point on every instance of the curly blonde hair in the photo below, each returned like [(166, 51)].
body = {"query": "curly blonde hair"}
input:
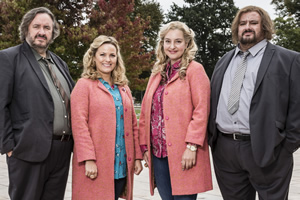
[(89, 66), (267, 24), (189, 54)]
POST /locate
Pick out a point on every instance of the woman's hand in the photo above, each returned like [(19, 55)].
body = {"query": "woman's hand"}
[(188, 159), (146, 158), (138, 167), (91, 169)]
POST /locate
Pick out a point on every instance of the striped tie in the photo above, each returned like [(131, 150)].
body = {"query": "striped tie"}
[(235, 92), (61, 90)]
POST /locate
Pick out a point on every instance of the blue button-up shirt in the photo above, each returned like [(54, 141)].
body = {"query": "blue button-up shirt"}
[(120, 151)]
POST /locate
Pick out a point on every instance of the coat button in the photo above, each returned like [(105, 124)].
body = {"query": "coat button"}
[(125, 109), (167, 118), (129, 159), (170, 144), (127, 134), (166, 93)]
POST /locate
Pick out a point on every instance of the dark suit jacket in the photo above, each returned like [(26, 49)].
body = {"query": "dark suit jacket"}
[(275, 107), (26, 105)]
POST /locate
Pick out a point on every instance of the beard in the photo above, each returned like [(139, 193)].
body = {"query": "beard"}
[(248, 40), (37, 46)]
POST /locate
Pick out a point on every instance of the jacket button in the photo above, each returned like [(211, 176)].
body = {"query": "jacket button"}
[(166, 93), (167, 118), (125, 109), (170, 144), (129, 159), (127, 134)]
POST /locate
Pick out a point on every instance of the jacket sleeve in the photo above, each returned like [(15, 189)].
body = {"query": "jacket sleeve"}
[(292, 127), (200, 94), (137, 150), (79, 115), (6, 93)]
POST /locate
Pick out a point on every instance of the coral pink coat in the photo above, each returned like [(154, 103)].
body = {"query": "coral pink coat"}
[(186, 111), (94, 132)]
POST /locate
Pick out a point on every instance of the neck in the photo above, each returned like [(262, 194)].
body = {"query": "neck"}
[(107, 78)]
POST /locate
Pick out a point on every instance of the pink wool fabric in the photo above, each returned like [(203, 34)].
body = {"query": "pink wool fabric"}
[(94, 132), (186, 110)]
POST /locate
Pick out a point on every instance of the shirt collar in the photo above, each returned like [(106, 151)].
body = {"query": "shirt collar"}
[(253, 50), (39, 57), (106, 84)]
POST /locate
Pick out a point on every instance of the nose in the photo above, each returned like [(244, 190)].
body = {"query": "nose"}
[(107, 58), (172, 45), (41, 31)]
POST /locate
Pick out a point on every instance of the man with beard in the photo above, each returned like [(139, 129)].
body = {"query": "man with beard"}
[(35, 131), (254, 124)]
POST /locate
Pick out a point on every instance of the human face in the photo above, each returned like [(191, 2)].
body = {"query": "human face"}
[(106, 60), (250, 29), (39, 33), (174, 45)]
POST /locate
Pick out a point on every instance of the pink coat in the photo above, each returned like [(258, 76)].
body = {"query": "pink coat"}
[(94, 131), (186, 111)]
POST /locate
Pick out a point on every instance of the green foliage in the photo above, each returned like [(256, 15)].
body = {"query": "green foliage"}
[(149, 10), (74, 38), (211, 22), (287, 23)]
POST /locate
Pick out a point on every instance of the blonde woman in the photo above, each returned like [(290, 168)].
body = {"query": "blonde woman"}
[(174, 116), (106, 147)]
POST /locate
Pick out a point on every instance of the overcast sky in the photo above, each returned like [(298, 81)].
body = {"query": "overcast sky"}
[(265, 4)]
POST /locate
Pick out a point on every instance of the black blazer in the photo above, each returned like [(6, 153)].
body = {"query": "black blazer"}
[(27, 109), (275, 107)]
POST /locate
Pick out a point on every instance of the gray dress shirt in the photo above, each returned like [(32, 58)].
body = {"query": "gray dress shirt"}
[(60, 124), (239, 121)]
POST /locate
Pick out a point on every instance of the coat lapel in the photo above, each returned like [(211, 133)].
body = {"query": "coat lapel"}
[(27, 51), (264, 65)]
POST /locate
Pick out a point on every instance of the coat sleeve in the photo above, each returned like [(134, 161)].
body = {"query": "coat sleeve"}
[(79, 115), (137, 150), (6, 92), (200, 93), (292, 128)]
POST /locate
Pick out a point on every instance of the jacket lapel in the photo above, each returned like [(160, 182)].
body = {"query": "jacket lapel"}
[(264, 65), (27, 51)]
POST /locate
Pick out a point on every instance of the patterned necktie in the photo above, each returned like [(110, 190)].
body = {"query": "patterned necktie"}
[(235, 92), (60, 88)]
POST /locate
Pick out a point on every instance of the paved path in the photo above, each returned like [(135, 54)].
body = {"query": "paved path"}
[(141, 187)]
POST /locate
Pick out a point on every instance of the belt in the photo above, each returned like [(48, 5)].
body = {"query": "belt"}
[(63, 138), (237, 136)]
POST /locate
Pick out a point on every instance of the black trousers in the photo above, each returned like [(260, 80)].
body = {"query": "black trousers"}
[(41, 180), (239, 178)]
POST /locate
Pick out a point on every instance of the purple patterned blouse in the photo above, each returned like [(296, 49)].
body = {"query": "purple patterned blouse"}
[(158, 134)]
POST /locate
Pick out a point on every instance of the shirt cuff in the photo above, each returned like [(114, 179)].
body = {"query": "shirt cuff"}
[(143, 148)]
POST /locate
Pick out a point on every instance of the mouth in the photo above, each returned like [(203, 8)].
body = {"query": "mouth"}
[(248, 33), (41, 37), (172, 52), (106, 65)]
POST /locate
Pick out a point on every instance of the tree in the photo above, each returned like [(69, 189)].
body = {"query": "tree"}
[(211, 21), (151, 11), (287, 24), (113, 18), (75, 36)]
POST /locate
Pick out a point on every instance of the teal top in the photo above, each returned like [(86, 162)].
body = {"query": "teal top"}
[(120, 151)]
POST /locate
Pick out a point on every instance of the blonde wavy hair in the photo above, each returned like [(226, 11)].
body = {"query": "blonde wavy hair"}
[(266, 22), (89, 66), (189, 54)]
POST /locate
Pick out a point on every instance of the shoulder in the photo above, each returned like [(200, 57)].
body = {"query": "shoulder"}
[(195, 68), (11, 51), (280, 49)]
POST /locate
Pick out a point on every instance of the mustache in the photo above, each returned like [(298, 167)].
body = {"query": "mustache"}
[(248, 31), (42, 36)]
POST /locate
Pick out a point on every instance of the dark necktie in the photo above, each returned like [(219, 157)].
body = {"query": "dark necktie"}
[(59, 87), (235, 92)]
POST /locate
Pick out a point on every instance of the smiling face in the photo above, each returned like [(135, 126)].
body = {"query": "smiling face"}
[(106, 59), (39, 34), (250, 30), (174, 45)]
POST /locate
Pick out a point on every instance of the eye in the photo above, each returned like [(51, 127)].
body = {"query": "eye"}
[(101, 54), (47, 27), (178, 41), (113, 55), (167, 41)]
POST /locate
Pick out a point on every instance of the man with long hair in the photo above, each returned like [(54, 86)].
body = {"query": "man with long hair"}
[(35, 131), (254, 125)]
